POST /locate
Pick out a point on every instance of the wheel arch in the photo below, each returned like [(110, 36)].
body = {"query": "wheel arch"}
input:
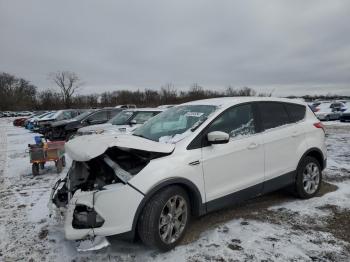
[(317, 154), (197, 206)]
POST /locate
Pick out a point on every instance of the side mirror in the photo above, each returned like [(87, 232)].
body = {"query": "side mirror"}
[(218, 137), (133, 122)]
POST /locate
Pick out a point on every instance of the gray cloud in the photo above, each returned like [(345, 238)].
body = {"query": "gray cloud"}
[(292, 47)]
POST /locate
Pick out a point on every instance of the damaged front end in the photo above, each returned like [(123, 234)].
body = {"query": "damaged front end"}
[(93, 189)]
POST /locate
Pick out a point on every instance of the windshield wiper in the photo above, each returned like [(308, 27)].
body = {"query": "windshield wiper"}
[(198, 123)]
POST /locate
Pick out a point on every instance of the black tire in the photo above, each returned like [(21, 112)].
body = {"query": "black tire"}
[(35, 169), (59, 166), (148, 223), (300, 190), (63, 161)]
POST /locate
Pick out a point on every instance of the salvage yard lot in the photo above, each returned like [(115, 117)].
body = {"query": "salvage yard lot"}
[(276, 227)]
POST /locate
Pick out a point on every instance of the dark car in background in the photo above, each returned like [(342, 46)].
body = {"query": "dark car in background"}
[(43, 124), (63, 130)]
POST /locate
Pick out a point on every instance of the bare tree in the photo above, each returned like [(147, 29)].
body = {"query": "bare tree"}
[(68, 82)]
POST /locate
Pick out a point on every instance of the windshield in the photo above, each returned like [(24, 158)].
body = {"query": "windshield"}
[(122, 118), (82, 116), (175, 123), (43, 115), (47, 115)]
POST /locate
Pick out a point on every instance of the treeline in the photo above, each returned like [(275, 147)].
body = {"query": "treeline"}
[(18, 94)]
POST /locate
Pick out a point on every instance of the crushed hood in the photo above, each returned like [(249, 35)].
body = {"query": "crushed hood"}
[(84, 148)]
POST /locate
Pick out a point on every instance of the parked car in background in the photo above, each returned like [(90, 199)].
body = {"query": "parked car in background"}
[(65, 129), (25, 113), (124, 122), (44, 124), (29, 123), (126, 106), (165, 106), (187, 161), (19, 121), (338, 106), (324, 111), (345, 115)]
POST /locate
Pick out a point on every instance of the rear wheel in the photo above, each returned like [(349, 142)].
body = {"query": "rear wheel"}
[(165, 218), (59, 166), (35, 169), (63, 161), (309, 178)]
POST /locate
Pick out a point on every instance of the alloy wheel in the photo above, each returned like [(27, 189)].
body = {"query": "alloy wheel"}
[(311, 178), (173, 219)]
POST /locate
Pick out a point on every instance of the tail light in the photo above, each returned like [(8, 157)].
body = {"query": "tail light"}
[(319, 125)]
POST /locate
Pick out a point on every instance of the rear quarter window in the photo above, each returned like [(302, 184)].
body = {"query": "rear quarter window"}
[(273, 114), (296, 112)]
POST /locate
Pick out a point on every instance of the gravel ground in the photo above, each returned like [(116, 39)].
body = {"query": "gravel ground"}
[(275, 227)]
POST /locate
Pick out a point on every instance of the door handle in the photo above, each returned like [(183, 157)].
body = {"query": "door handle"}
[(253, 145), (194, 163)]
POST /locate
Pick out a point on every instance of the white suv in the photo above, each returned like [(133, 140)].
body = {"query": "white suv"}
[(187, 161)]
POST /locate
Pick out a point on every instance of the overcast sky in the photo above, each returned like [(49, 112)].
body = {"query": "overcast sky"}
[(291, 47)]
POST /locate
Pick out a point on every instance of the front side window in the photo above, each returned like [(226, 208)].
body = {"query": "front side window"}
[(273, 114), (237, 121), (142, 117), (175, 123)]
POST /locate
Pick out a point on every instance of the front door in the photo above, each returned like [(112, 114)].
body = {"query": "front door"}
[(233, 171)]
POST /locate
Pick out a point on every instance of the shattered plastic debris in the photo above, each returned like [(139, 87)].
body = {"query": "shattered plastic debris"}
[(91, 244)]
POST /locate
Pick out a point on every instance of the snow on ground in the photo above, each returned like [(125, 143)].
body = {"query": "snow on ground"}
[(276, 227)]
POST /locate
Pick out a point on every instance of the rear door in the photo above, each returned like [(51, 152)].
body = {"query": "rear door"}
[(280, 143)]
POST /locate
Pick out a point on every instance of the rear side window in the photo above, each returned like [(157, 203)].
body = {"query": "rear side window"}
[(273, 114), (296, 112), (99, 116)]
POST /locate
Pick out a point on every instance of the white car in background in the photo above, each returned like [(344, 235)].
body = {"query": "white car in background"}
[(345, 115), (124, 122), (327, 111), (187, 161)]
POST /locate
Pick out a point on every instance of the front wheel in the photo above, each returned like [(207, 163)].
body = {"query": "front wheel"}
[(165, 218), (309, 178)]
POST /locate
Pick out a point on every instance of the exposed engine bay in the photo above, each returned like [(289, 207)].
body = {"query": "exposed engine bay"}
[(116, 165)]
